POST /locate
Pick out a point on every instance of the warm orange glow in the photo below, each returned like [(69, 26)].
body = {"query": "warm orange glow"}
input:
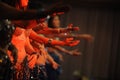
[(24, 3)]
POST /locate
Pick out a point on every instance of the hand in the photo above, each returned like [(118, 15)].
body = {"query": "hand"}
[(76, 52), (88, 37), (70, 42), (71, 28), (55, 65), (74, 43)]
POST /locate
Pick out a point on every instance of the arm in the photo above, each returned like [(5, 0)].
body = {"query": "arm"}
[(62, 50), (69, 52), (41, 39), (44, 29), (9, 12), (87, 37), (84, 36), (54, 31), (54, 64), (55, 51)]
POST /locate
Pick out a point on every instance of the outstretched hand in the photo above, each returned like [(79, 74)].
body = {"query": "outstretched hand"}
[(71, 42), (76, 52), (71, 28), (88, 37), (55, 65)]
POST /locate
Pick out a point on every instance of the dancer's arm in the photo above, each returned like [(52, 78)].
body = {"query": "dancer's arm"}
[(44, 29), (87, 37), (9, 12), (56, 52), (41, 39), (69, 52), (54, 64)]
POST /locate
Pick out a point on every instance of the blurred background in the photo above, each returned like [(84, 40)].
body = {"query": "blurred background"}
[(100, 60)]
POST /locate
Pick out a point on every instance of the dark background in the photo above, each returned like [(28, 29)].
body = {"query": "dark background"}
[(100, 18)]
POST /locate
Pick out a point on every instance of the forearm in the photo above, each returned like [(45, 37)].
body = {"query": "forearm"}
[(76, 36), (51, 30), (80, 36), (47, 31), (62, 49), (41, 39), (84, 36), (57, 53), (57, 31), (64, 35), (50, 59)]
